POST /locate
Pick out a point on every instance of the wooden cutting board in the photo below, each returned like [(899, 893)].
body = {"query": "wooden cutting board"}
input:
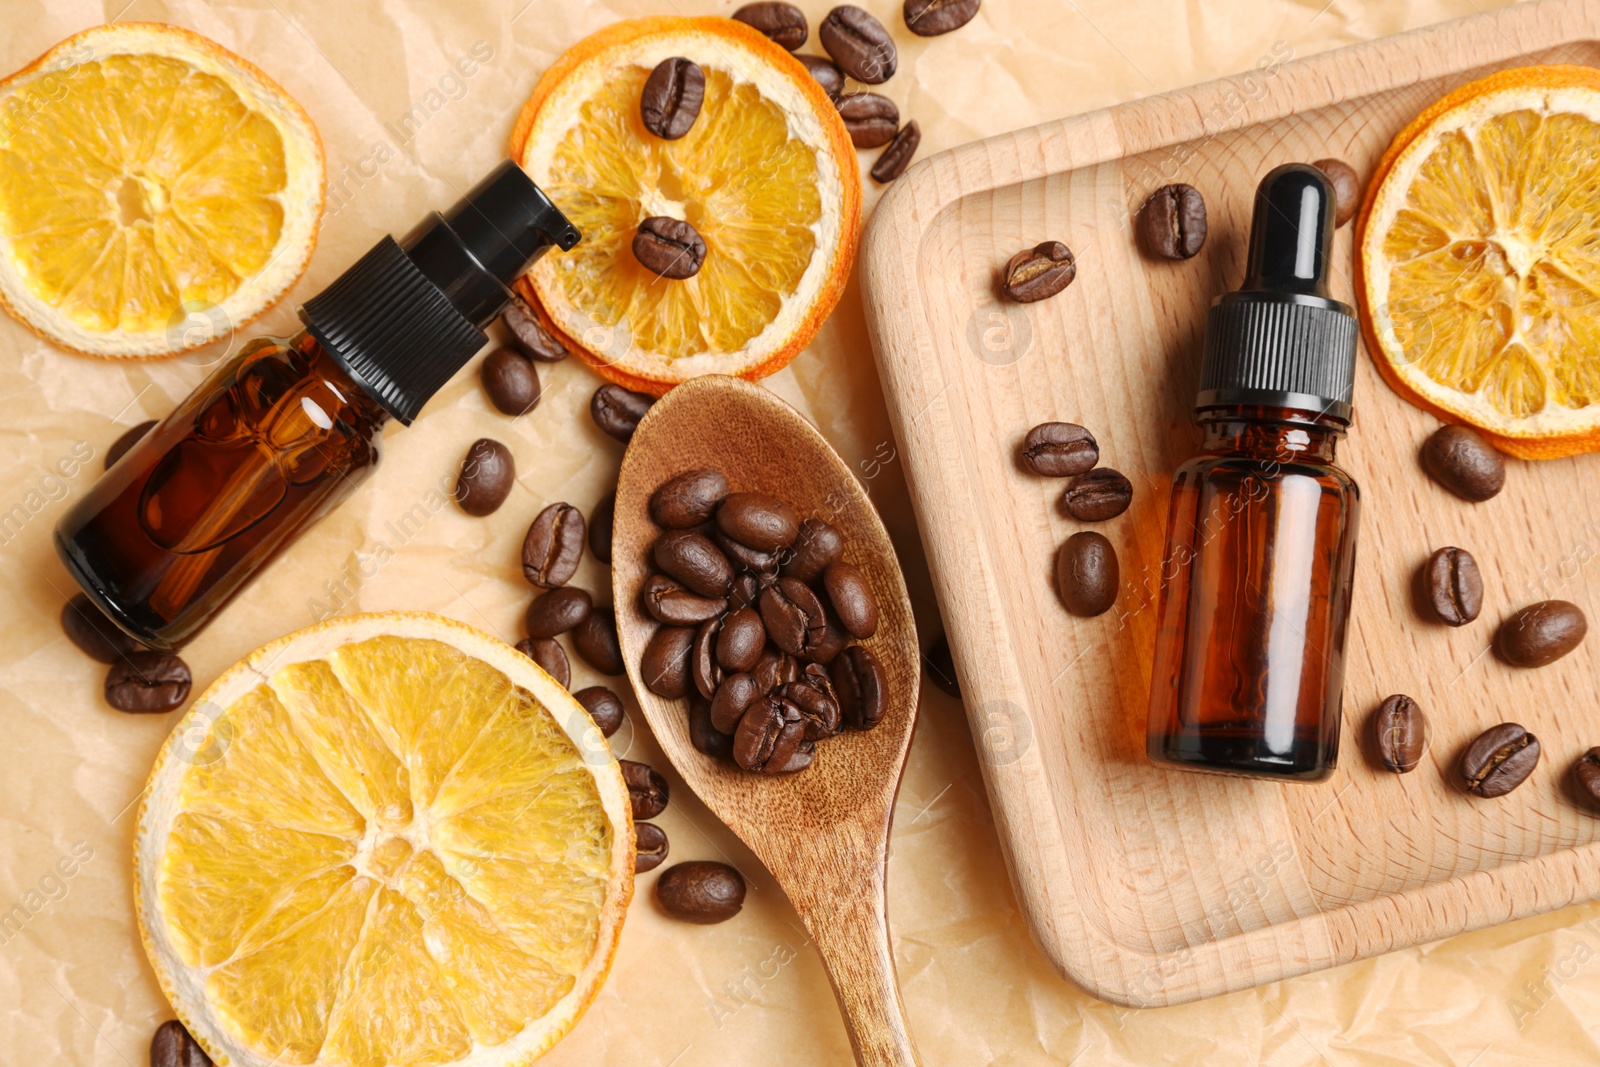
[(1147, 886)]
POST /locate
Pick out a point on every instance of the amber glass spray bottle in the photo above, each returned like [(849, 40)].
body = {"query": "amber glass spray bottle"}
[(1255, 596), (287, 428)]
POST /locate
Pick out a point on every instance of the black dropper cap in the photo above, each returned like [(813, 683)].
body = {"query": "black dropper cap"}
[(410, 313), (1281, 340)]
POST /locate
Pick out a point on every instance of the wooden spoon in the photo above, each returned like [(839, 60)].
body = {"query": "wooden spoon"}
[(824, 832)]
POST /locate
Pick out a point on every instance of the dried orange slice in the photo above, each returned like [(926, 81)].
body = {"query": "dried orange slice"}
[(1479, 260), (767, 176), (384, 841), (156, 191)]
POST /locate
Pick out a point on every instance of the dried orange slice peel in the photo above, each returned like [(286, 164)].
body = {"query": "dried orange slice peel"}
[(1478, 252), (767, 176)]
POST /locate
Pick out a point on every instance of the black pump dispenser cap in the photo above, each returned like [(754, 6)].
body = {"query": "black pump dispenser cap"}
[(409, 314), (1281, 340)]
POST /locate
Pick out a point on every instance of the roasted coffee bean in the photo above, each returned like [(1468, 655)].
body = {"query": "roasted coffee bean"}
[(774, 668), (148, 682), (701, 892), (833, 642), (1059, 450), (689, 499), (511, 382), (741, 640), (97, 636), (670, 247), (736, 693), (897, 157), (793, 616), (553, 547), (705, 737), (1499, 760), (548, 653), (647, 790), (830, 77), (665, 663), (798, 761), (769, 734), (940, 666), (1039, 272), (1459, 459), (1173, 222), (530, 338), (819, 708), (764, 523), (859, 44), (669, 602), (1399, 733), (784, 23), (172, 1046), (850, 594), (649, 847), (601, 520), (930, 18), (1586, 775), (1449, 587), (817, 546), (595, 638), (871, 119), (487, 474), (703, 665), (1087, 577), (672, 97), (617, 411), (1346, 188), (861, 688), (556, 611), (746, 591), (603, 706), (1541, 633), (697, 563), (746, 558), (1097, 495), (131, 437)]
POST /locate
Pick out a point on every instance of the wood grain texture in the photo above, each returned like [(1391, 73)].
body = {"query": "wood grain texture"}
[(823, 833), (1148, 886)]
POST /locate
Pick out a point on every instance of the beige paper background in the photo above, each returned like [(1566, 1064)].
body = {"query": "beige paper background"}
[(75, 982)]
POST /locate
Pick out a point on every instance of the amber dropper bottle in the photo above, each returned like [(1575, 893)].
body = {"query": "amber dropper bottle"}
[(287, 428), (1256, 578)]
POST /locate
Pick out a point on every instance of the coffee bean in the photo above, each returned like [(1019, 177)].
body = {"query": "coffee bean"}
[(817, 546), (793, 616), (1449, 587), (764, 523), (701, 892), (531, 338), (601, 520), (487, 474), (172, 1046), (851, 596), (511, 382), (1541, 633), (1459, 459), (595, 638), (1346, 188), (706, 738), (665, 663), (871, 119), (670, 247), (668, 601), (774, 668), (689, 499), (556, 611), (1087, 577), (617, 411), (129, 438), (859, 44), (736, 693), (804, 753), (897, 157), (698, 565), (1173, 222), (1586, 775), (1400, 733), (770, 733), (830, 77), (1039, 272), (549, 654), (930, 18), (1059, 450), (819, 708), (148, 682), (672, 97), (649, 847), (95, 635), (603, 706), (1096, 495), (746, 558), (834, 641), (1499, 760), (940, 666), (746, 591), (740, 642), (647, 790), (861, 686), (784, 23), (703, 666), (553, 547)]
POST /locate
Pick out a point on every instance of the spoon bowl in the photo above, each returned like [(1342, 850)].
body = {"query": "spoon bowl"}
[(824, 832)]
